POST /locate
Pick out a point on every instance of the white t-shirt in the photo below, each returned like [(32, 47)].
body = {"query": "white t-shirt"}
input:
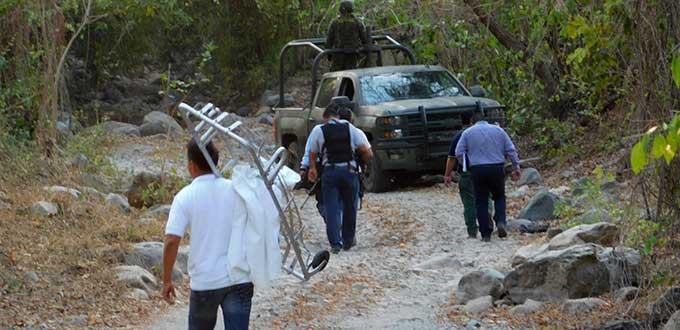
[(206, 207), (316, 140)]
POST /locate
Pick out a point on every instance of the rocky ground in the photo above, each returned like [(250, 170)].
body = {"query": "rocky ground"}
[(412, 252)]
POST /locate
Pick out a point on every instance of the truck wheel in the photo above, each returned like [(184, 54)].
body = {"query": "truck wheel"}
[(374, 178), (294, 156)]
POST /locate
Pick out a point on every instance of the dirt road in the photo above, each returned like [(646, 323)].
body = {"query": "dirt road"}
[(412, 251)]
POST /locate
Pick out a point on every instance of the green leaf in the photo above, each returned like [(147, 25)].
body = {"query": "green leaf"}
[(578, 56), (638, 156), (676, 70), (659, 146), (669, 154)]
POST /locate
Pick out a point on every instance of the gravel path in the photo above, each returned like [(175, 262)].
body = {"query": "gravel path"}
[(412, 251)]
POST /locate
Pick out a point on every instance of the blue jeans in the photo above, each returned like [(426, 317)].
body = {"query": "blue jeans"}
[(234, 300), (340, 186), (489, 179)]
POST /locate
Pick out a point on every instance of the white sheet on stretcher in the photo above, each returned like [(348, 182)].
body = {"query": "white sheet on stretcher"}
[(254, 246)]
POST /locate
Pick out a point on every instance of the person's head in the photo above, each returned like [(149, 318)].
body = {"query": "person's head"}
[(345, 114), (197, 164), (478, 115), (331, 112), (466, 118), (346, 7)]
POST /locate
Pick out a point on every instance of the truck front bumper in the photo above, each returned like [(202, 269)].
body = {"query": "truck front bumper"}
[(410, 158)]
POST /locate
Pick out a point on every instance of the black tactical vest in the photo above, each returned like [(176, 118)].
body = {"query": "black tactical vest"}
[(338, 143)]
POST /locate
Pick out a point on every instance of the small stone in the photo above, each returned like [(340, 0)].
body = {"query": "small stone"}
[(159, 212), (45, 209), (626, 294), (485, 281), (560, 191), (79, 321), (520, 225), (541, 207), (567, 174), (244, 111), (80, 161), (529, 176), (520, 192), (577, 306), (529, 307), (119, 201), (137, 294), (136, 277), (63, 191), (89, 191), (479, 305), (439, 262), (473, 324), (266, 119), (31, 278)]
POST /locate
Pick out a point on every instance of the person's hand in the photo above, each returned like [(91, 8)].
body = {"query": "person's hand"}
[(169, 293), (447, 181), (516, 174), (312, 175)]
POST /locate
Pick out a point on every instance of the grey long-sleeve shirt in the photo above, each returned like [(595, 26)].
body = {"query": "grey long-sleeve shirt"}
[(486, 144)]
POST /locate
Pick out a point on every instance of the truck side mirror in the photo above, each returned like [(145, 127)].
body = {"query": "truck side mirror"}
[(478, 91)]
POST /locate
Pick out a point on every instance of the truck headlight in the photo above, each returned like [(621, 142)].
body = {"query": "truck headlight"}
[(390, 121), (393, 134)]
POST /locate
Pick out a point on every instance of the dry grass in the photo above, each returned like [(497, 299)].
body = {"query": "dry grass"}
[(339, 293), (72, 253)]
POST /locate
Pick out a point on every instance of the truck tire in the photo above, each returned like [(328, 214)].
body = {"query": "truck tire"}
[(294, 156), (375, 180)]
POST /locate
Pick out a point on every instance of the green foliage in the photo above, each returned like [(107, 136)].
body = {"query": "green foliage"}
[(164, 191), (655, 144), (676, 70), (91, 144)]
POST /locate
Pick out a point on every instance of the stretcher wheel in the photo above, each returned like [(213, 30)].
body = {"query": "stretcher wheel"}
[(320, 261)]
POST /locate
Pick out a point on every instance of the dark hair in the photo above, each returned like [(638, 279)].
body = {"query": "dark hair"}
[(345, 114), (466, 118), (196, 156), (331, 110)]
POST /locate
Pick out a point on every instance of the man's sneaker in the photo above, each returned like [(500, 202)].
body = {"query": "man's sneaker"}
[(354, 243), (502, 233), (335, 250), (486, 239)]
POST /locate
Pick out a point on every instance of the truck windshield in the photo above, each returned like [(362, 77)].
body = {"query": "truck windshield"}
[(408, 85)]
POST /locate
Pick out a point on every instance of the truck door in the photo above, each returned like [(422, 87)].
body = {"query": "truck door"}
[(327, 89)]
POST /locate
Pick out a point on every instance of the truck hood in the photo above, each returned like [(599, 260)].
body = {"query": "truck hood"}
[(409, 106)]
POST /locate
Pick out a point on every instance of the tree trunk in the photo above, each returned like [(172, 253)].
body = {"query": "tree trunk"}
[(544, 71)]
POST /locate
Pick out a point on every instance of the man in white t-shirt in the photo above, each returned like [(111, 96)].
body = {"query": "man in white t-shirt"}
[(206, 208)]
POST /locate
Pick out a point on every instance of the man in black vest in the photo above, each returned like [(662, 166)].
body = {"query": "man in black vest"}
[(336, 142)]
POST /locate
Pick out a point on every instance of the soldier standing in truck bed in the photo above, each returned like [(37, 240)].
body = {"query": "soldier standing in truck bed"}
[(346, 32)]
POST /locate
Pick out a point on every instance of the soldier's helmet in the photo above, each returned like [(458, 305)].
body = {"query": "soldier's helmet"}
[(346, 7)]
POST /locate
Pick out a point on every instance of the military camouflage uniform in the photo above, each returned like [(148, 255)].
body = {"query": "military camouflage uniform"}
[(346, 32)]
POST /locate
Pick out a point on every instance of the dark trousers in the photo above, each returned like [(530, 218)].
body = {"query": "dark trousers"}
[(344, 61), (489, 179), (467, 196), (340, 185), (234, 300)]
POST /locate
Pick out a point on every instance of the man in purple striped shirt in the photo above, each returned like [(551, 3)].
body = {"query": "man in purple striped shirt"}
[(486, 147)]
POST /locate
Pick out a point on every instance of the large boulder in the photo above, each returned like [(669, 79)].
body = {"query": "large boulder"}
[(527, 252), (137, 193), (663, 308), (529, 176), (136, 277), (624, 265), (115, 127), (571, 273), (600, 233), (541, 207), (157, 122), (673, 323), (149, 255), (482, 282)]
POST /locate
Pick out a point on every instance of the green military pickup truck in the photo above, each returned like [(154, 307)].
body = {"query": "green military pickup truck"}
[(409, 113)]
